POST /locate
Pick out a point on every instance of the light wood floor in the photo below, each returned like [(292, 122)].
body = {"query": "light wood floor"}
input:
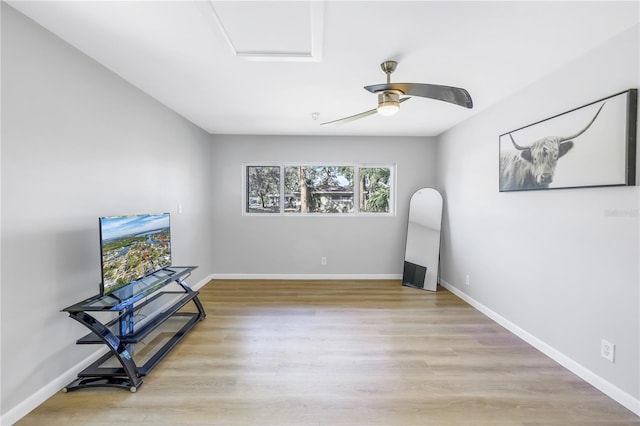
[(343, 353)]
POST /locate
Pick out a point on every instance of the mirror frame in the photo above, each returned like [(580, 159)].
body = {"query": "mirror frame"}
[(422, 247)]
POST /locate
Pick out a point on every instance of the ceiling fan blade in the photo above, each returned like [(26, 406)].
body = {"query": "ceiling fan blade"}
[(357, 116), (351, 117), (454, 95)]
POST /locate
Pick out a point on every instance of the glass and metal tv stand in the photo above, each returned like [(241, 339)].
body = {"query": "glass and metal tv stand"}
[(150, 322)]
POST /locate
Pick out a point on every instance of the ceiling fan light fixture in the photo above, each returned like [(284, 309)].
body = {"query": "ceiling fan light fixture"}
[(388, 103)]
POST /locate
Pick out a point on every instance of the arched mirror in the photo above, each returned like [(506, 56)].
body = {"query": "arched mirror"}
[(422, 252)]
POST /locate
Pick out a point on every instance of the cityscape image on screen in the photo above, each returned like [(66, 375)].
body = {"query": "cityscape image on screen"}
[(133, 247)]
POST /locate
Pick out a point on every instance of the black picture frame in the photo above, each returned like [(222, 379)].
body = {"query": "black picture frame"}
[(590, 146)]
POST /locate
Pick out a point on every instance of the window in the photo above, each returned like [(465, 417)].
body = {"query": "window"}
[(375, 189), (319, 189), (263, 189)]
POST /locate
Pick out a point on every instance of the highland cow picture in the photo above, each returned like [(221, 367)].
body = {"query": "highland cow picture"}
[(590, 146)]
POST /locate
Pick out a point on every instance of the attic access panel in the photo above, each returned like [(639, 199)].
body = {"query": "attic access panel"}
[(272, 31)]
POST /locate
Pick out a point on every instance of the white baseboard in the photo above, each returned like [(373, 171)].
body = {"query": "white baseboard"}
[(202, 282), (307, 276), (46, 392), (579, 370)]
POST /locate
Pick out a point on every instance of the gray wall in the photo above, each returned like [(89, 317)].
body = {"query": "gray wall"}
[(561, 265), (78, 142), (553, 263), (278, 246)]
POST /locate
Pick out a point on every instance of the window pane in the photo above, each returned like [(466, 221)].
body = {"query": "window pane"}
[(292, 189), (263, 189), (375, 189), (319, 189)]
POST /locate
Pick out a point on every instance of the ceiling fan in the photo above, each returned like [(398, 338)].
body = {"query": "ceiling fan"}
[(389, 99)]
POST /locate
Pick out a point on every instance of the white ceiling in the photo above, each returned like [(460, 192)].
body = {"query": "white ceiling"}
[(264, 67)]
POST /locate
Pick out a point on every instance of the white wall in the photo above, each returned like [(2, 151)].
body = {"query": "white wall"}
[(78, 142), (292, 246), (560, 265)]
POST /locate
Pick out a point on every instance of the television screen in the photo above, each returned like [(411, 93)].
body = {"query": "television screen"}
[(133, 247)]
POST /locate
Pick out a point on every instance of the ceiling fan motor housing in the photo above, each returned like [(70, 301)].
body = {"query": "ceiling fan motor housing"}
[(388, 102)]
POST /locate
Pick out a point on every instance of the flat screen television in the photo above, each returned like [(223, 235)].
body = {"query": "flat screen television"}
[(133, 247)]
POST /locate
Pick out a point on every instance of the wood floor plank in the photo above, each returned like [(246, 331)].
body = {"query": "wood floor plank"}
[(343, 353)]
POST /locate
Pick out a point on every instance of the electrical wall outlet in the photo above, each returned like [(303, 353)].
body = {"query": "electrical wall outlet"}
[(467, 280), (607, 350), (323, 260)]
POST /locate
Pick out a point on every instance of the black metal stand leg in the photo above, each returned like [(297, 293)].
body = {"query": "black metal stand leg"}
[(116, 348), (201, 313)]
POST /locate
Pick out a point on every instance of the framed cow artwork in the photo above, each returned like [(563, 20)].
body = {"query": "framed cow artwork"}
[(590, 146)]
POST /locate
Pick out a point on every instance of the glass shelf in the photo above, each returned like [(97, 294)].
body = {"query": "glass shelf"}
[(132, 292), (145, 316), (148, 351)]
